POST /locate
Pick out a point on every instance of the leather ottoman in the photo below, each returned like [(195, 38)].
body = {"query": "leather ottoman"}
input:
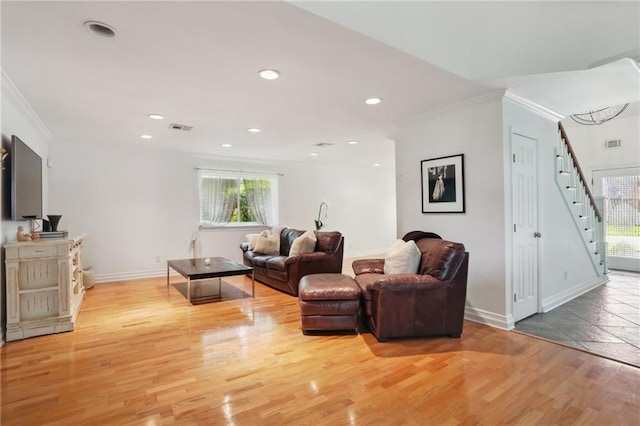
[(328, 302)]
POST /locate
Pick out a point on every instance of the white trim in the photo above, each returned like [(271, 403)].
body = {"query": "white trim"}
[(488, 318), (134, 275), (13, 95), (565, 296), (478, 100), (533, 107)]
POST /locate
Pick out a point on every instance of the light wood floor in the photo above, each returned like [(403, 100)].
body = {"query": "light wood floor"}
[(142, 356)]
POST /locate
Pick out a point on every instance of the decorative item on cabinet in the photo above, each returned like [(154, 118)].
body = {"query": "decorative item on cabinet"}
[(22, 236), (54, 219)]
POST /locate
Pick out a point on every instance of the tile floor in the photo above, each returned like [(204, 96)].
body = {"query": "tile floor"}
[(604, 321)]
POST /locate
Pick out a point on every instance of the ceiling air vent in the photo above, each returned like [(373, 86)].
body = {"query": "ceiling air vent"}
[(183, 127), (613, 143), (323, 144)]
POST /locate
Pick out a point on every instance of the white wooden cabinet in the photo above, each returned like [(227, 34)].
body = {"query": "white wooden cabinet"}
[(44, 286)]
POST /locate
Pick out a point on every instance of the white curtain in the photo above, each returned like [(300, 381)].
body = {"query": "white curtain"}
[(258, 193), (218, 198)]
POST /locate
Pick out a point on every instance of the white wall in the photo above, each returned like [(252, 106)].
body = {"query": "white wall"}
[(565, 270), (362, 204), (17, 118), (588, 142), (138, 203), (474, 130), (481, 131)]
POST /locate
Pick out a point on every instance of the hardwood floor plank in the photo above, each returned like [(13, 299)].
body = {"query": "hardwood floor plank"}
[(142, 355)]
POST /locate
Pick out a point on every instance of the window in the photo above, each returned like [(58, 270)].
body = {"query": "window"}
[(622, 215), (237, 198)]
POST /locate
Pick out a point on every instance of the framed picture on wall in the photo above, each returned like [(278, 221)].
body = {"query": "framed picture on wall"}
[(443, 184)]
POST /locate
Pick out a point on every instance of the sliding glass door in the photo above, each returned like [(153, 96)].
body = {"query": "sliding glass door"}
[(621, 189)]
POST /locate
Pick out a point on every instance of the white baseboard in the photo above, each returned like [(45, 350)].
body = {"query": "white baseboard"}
[(124, 276), (488, 318), (154, 273), (556, 300)]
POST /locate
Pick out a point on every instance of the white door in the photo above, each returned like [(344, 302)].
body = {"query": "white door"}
[(621, 190), (524, 172)]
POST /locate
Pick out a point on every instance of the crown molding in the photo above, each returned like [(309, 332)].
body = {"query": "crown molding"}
[(11, 93), (478, 100), (533, 107)]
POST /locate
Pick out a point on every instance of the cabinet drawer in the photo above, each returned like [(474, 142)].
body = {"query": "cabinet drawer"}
[(35, 251)]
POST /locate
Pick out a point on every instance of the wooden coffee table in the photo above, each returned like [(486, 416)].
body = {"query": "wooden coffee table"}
[(216, 267)]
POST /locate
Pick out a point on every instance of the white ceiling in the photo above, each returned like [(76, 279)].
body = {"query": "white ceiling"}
[(197, 63)]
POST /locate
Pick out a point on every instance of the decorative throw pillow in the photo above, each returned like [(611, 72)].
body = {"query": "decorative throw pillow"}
[(252, 238), (403, 258), (305, 243), (277, 229), (268, 245)]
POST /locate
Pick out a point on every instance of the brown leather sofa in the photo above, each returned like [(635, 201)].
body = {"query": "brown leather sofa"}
[(429, 303), (284, 272)]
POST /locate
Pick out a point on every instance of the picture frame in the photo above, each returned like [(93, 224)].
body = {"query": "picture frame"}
[(443, 184)]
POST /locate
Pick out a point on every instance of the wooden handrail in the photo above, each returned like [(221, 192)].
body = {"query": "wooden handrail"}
[(565, 138)]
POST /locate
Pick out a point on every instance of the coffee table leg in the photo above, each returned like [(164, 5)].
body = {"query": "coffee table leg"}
[(189, 290), (253, 284), (167, 274)]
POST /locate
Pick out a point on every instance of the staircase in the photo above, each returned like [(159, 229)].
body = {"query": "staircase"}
[(584, 208)]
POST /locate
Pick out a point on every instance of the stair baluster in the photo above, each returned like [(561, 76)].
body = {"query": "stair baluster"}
[(580, 202)]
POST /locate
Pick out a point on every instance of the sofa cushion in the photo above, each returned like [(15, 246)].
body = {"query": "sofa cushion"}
[(268, 245), (260, 260), (287, 237), (305, 243), (328, 241), (439, 257), (253, 238), (276, 263), (402, 258)]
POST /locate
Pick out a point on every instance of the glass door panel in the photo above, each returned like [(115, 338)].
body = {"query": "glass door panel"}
[(621, 189)]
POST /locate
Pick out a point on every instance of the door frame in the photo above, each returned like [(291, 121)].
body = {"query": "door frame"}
[(615, 262)]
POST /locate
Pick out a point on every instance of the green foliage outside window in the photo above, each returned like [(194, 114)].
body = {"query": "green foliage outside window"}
[(245, 210)]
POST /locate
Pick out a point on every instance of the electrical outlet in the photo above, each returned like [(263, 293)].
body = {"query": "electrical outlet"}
[(157, 259), (565, 275)]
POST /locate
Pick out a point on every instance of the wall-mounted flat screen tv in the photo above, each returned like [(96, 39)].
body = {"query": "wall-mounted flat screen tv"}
[(26, 181)]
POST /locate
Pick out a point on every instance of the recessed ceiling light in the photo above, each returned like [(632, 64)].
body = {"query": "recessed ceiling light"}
[(269, 74), (314, 154), (146, 136), (156, 116), (352, 142), (100, 29), (372, 101), (376, 164), (226, 145), (254, 130)]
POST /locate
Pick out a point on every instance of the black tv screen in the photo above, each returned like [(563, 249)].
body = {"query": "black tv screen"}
[(26, 181)]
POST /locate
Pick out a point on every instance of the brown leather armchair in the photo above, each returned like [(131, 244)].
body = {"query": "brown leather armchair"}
[(284, 272), (429, 303)]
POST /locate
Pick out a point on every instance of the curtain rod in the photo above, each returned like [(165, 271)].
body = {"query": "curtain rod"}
[(239, 171)]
